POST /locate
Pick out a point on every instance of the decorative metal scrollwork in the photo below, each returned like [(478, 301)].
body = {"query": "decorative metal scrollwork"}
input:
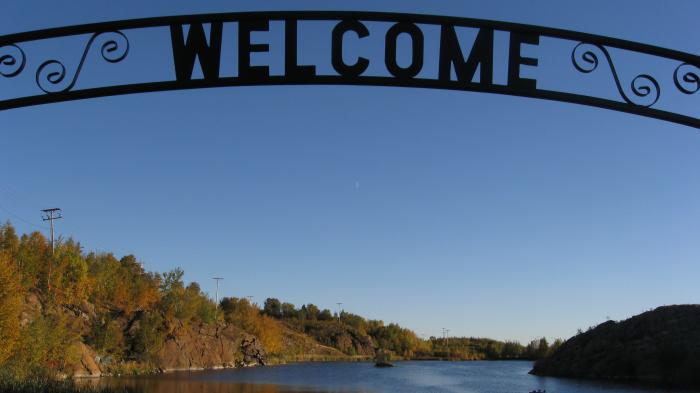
[(688, 77), (192, 48), (12, 60), (643, 85), (53, 72)]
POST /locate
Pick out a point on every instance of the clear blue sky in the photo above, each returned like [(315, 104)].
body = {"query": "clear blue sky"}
[(488, 215)]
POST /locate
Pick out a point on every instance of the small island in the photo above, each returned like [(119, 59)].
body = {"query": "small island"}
[(382, 359)]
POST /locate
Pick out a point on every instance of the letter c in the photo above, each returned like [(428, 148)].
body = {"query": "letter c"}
[(349, 70)]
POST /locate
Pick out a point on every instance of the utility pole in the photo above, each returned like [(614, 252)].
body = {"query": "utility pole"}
[(250, 299), (50, 215), (217, 279), (447, 343), (339, 310)]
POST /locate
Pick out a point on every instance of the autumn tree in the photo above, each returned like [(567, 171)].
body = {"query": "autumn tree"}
[(149, 337), (107, 337), (246, 316), (9, 241), (289, 311), (143, 286), (10, 306), (272, 307), (47, 347), (353, 320), (511, 350), (32, 260), (309, 311), (325, 315), (200, 307), (185, 303), (239, 312), (122, 285), (69, 275)]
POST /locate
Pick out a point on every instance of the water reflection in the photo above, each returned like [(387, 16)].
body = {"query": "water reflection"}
[(406, 377), (188, 385)]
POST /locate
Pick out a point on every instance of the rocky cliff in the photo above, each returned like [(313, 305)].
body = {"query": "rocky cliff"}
[(185, 347), (208, 347), (659, 346)]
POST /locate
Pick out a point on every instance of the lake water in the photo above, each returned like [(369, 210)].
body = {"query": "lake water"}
[(406, 377)]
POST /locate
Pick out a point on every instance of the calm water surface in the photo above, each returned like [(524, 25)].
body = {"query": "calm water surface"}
[(406, 377)]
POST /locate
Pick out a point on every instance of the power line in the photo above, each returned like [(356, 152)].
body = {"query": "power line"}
[(18, 218), (18, 196), (10, 194)]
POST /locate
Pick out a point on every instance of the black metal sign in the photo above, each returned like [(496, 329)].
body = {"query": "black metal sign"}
[(195, 42)]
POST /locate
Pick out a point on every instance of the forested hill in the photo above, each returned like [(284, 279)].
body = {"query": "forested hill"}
[(661, 346), (76, 313), (355, 335)]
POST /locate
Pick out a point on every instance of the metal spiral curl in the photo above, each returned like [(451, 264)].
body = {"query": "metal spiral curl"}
[(11, 64), (642, 85), (688, 77), (54, 72)]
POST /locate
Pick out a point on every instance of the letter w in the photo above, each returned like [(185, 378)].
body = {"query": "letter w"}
[(184, 53)]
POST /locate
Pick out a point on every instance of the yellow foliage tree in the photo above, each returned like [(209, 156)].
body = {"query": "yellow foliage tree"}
[(10, 307), (121, 284), (33, 257), (241, 313), (270, 333), (69, 277), (47, 347)]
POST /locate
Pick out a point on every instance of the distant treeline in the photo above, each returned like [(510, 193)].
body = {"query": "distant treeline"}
[(472, 348), (332, 329)]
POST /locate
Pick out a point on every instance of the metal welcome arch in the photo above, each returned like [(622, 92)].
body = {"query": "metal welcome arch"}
[(473, 71)]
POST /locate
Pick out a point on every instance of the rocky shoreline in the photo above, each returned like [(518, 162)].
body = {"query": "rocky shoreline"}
[(186, 347), (185, 350)]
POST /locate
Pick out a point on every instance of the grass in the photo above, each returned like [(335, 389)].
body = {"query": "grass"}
[(43, 385)]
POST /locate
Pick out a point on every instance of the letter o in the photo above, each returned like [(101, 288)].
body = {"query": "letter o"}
[(417, 41)]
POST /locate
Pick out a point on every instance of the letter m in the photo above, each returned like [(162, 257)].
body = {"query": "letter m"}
[(196, 46), (481, 56)]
